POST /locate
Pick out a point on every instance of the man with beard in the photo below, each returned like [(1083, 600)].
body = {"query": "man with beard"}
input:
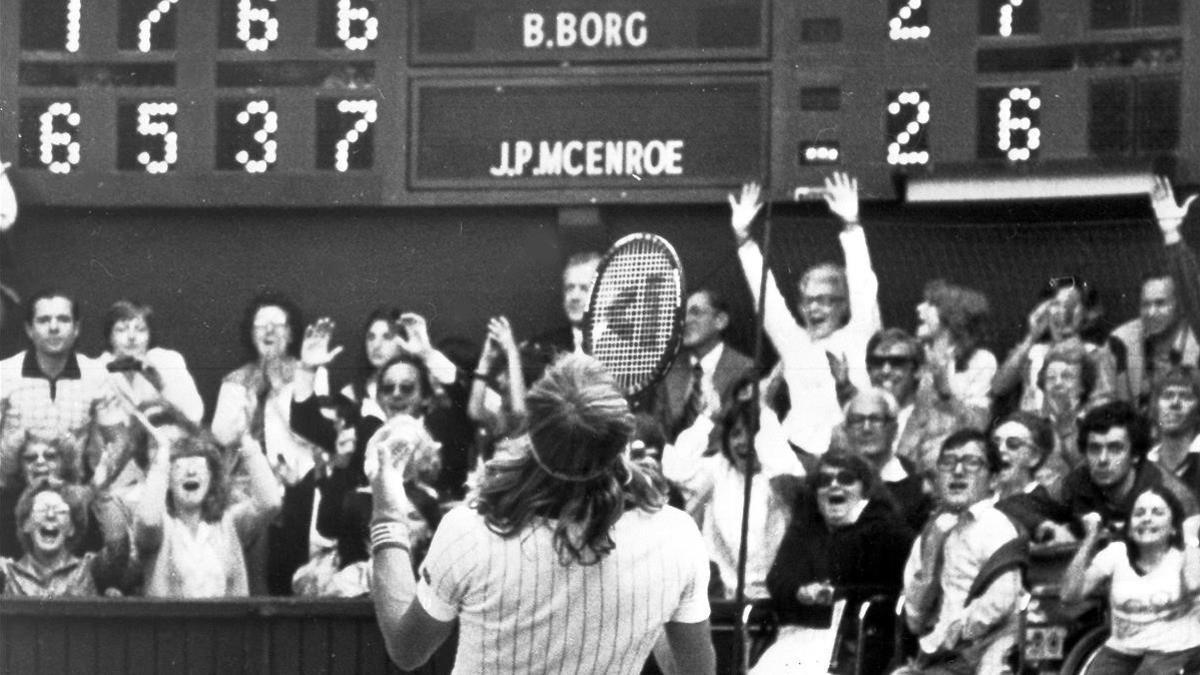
[(54, 390), (706, 364), (1114, 440), (838, 308), (1177, 411), (1165, 332), (868, 430), (960, 586)]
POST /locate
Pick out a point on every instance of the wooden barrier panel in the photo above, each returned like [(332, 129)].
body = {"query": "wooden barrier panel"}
[(137, 635), (235, 635)]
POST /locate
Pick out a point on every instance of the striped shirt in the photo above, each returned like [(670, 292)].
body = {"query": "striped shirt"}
[(521, 611)]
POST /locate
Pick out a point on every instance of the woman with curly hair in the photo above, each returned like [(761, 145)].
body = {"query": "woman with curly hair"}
[(957, 375), (563, 560), (189, 536)]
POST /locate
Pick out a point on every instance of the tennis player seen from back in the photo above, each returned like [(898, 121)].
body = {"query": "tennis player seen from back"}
[(565, 559)]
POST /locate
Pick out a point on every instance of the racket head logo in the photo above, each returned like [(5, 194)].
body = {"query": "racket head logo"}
[(634, 320)]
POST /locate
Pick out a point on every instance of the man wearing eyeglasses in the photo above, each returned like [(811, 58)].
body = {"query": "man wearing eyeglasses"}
[(868, 429), (894, 361), (964, 627), (706, 363)]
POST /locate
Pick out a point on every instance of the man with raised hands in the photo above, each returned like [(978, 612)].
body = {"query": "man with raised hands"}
[(1165, 333), (837, 306)]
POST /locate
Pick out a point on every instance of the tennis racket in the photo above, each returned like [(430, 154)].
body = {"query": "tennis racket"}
[(633, 321)]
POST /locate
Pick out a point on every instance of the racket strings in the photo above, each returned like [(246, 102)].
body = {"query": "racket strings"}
[(635, 302)]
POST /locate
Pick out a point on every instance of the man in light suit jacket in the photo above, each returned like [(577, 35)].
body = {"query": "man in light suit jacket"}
[(720, 365)]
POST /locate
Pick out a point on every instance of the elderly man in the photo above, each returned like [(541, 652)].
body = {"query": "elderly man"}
[(51, 389), (837, 305), (960, 584), (706, 364), (868, 428)]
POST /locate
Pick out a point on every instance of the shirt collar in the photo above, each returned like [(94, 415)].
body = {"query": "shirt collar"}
[(893, 471), (1193, 449), (982, 506), (32, 569), (30, 367), (709, 361)]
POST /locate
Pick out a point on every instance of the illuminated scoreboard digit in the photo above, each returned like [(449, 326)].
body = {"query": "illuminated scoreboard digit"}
[(912, 88), (315, 102)]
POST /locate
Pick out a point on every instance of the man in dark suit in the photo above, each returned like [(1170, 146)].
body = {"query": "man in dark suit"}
[(704, 364), (578, 275)]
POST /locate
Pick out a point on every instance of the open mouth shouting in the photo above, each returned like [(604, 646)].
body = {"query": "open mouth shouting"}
[(48, 537)]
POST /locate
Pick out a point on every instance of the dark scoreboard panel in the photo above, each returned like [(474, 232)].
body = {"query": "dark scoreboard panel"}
[(314, 102)]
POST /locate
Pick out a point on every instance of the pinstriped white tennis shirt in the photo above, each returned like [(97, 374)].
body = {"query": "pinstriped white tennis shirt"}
[(520, 611)]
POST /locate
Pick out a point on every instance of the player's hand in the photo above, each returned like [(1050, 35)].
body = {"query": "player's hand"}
[(388, 499), (841, 194), (314, 350), (744, 207)]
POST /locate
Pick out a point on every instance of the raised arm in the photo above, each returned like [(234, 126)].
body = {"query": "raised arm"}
[(266, 497), (169, 374), (306, 418), (502, 330), (778, 322), (841, 194), (1181, 261), (410, 634), (1081, 577), (148, 519), (477, 408), (231, 418), (111, 563), (923, 571)]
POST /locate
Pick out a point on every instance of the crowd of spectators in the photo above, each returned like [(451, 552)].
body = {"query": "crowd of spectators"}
[(878, 460)]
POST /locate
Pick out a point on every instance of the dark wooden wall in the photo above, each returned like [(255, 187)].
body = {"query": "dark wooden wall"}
[(460, 265), (255, 637)]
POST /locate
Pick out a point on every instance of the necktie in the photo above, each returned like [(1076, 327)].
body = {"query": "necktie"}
[(695, 399)]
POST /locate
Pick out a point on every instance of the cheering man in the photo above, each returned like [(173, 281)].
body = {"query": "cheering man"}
[(565, 559)]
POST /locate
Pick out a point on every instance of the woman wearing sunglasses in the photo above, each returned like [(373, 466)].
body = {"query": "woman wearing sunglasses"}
[(846, 538), (1026, 490)]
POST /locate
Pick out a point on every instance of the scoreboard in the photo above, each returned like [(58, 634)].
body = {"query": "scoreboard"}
[(433, 102)]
